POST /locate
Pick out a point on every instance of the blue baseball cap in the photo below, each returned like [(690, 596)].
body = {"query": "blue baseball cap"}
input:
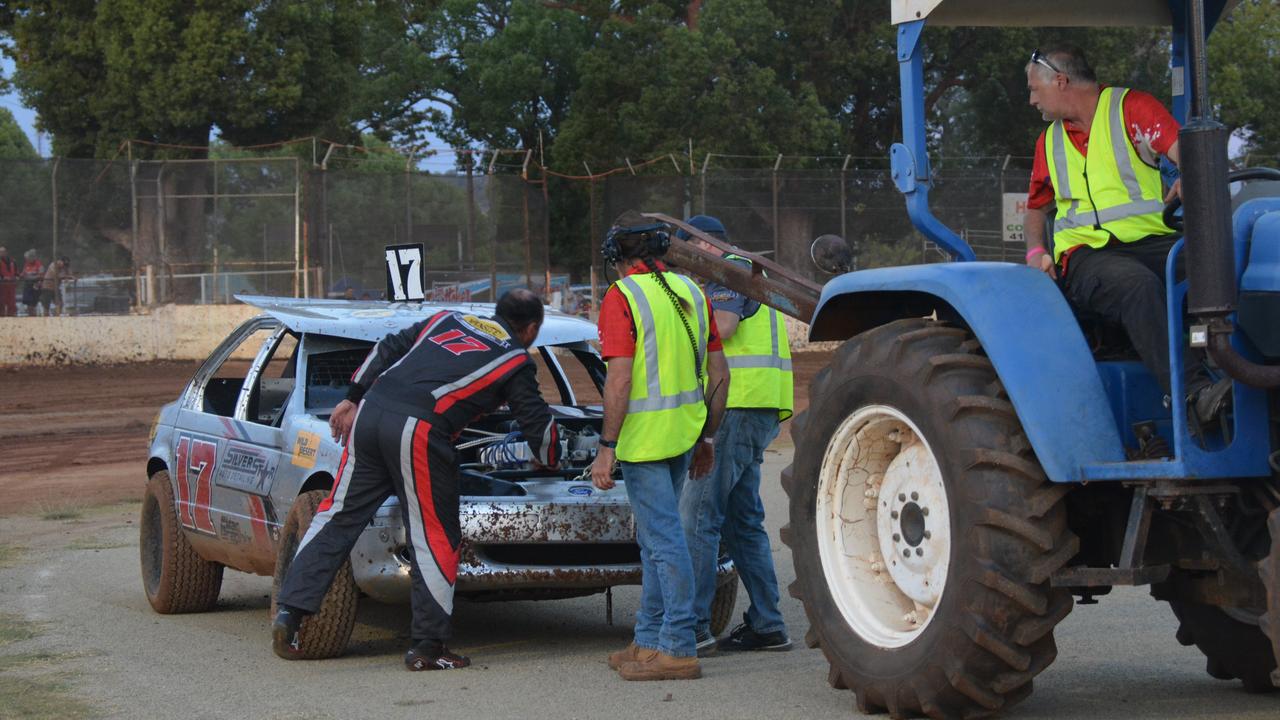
[(706, 224)]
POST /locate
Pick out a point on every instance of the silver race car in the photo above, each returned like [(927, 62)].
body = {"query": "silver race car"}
[(240, 461)]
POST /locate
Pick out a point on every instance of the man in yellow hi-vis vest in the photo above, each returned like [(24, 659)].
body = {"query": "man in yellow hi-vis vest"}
[(664, 397), (1097, 166), (727, 506)]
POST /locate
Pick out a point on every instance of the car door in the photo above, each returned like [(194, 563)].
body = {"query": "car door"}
[(214, 454)]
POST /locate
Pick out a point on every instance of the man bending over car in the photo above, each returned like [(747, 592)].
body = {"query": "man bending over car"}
[(414, 393)]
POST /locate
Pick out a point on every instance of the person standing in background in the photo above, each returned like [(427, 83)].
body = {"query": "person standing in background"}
[(9, 275), (32, 276)]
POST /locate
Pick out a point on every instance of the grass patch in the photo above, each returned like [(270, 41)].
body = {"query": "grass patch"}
[(9, 555), (91, 543), (59, 510), (24, 660), (39, 698), (15, 629)]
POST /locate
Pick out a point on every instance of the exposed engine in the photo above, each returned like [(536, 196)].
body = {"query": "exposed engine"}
[(494, 457)]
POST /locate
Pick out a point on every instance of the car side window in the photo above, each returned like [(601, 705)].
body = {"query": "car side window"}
[(275, 383), (572, 383), (224, 383)]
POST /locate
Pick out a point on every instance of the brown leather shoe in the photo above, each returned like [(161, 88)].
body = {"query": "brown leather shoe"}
[(630, 653), (654, 665)]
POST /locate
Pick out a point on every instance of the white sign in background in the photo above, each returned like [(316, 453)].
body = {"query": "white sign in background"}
[(1014, 209)]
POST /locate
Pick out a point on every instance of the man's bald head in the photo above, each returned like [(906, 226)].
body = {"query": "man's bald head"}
[(521, 310)]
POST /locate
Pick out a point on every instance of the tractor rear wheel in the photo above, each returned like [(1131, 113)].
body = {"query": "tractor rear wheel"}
[(1233, 643), (923, 529), (1269, 568)]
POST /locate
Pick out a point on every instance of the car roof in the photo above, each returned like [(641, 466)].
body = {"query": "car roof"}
[(372, 320)]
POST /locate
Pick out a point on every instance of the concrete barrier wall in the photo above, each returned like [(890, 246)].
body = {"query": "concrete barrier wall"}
[(168, 332)]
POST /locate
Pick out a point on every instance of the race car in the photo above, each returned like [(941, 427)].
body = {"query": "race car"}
[(240, 461)]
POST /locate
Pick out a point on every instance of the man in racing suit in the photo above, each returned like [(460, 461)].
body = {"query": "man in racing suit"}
[(414, 393)]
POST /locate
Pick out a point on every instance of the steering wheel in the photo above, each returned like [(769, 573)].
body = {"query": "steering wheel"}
[(1174, 221)]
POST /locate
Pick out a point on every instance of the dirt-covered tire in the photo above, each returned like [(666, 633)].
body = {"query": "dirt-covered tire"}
[(1269, 569), (325, 633), (174, 577), (961, 624), (1232, 647), (722, 604)]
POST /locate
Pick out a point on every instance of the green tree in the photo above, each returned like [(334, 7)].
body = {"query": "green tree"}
[(14, 144), (1244, 55)]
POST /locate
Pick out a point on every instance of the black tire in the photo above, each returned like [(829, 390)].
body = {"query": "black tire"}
[(174, 577), (1232, 648), (722, 604), (324, 634), (992, 627), (1269, 569)]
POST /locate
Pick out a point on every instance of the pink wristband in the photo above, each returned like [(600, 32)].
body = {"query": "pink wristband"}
[(1035, 251)]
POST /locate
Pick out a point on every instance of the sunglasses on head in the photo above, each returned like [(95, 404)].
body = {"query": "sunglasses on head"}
[(1040, 58)]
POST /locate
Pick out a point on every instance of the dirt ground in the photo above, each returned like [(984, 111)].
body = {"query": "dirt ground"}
[(77, 437)]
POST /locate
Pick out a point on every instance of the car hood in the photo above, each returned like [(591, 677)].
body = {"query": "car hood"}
[(373, 320)]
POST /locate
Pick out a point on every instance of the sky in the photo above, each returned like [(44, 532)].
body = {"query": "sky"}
[(25, 116)]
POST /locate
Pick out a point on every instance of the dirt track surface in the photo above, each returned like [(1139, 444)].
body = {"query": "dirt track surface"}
[(78, 435)]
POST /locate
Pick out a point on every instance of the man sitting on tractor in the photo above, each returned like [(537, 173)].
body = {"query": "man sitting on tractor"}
[(1110, 242)]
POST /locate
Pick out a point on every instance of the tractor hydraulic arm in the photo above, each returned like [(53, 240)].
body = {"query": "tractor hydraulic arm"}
[(782, 289)]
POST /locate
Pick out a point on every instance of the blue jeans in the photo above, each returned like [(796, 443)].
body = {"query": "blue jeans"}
[(726, 504), (665, 619)]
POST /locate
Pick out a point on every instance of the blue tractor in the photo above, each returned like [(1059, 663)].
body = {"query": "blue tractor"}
[(968, 464)]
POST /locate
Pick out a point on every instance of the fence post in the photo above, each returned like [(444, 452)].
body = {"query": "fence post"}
[(844, 227), (300, 247), (546, 232), (54, 184), (528, 242), (777, 231), (469, 254), (151, 285), (594, 244)]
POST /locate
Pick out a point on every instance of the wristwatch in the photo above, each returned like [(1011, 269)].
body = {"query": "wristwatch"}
[(611, 444)]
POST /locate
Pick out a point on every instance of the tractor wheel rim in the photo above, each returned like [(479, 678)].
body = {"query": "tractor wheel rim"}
[(883, 526)]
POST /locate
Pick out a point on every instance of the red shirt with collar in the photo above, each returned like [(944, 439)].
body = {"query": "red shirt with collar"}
[(1151, 128), (618, 329)]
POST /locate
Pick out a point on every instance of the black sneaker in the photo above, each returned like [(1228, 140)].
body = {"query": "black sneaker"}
[(431, 655), (705, 643), (743, 638), (286, 639)]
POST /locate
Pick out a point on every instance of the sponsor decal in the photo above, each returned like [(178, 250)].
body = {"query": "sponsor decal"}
[(246, 468), (231, 531), (489, 328), (305, 448), (581, 490)]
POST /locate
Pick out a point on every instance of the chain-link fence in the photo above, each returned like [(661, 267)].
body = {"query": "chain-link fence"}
[(139, 232)]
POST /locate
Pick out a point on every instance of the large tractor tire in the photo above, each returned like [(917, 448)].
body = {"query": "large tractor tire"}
[(324, 634), (174, 577), (1233, 643), (923, 529), (1269, 568)]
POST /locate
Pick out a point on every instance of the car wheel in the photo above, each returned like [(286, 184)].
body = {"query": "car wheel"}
[(176, 579), (722, 604), (325, 633)]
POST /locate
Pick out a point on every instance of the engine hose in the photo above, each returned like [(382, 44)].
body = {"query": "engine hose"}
[(1263, 377)]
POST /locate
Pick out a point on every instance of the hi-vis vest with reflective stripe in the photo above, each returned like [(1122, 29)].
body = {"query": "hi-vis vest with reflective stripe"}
[(760, 362), (666, 411), (1111, 191)]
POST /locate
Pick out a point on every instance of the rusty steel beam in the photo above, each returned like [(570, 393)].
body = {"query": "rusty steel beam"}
[(782, 289)]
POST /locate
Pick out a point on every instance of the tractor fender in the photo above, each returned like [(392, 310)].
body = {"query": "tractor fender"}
[(1025, 326)]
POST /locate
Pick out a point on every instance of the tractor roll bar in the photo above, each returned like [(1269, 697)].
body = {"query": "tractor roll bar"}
[(782, 289)]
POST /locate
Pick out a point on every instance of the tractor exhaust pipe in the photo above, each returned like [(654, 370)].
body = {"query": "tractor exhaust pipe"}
[(1206, 199)]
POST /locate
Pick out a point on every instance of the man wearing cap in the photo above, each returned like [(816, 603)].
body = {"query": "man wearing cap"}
[(726, 506)]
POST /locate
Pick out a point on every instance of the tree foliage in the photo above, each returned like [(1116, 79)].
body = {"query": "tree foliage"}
[(14, 144)]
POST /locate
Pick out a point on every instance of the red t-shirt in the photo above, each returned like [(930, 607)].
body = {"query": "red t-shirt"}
[(1152, 130), (618, 329)]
